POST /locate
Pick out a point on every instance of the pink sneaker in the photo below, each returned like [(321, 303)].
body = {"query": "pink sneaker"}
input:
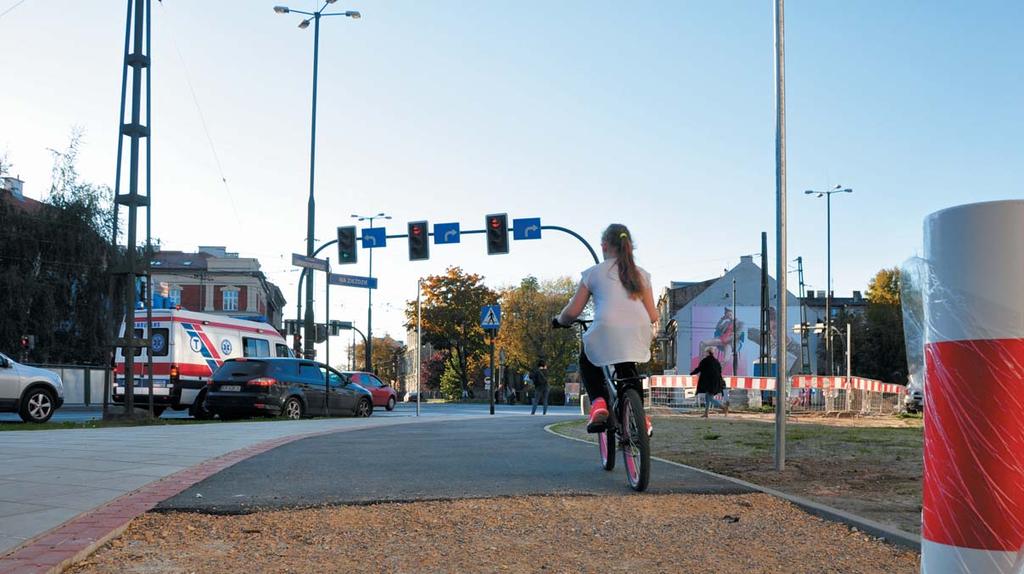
[(598, 415)]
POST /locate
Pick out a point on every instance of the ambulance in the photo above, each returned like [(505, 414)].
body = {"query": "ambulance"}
[(187, 347)]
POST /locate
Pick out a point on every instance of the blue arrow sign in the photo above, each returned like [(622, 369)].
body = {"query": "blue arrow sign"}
[(490, 316), (309, 262), (528, 228), (446, 233), (352, 281), (374, 237)]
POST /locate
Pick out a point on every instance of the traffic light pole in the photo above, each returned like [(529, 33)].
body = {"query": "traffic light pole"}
[(490, 391)]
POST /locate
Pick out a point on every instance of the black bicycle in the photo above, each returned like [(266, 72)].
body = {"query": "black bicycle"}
[(627, 424)]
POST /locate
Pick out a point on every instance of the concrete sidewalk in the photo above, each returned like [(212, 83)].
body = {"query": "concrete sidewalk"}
[(49, 477)]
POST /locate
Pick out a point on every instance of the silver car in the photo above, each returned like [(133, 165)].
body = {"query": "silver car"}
[(32, 393)]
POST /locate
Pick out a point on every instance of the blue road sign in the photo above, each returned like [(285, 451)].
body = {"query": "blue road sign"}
[(490, 316), (374, 237), (528, 228), (352, 281), (309, 262), (487, 371), (446, 233)]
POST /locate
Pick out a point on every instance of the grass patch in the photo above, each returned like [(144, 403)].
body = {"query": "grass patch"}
[(711, 436)]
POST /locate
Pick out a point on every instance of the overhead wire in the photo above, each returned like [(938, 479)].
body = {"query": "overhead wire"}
[(11, 8), (202, 120)]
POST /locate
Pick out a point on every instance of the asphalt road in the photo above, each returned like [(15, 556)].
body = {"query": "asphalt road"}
[(503, 456)]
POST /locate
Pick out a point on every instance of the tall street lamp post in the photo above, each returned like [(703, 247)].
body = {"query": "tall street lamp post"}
[(309, 328), (827, 194), (369, 294)]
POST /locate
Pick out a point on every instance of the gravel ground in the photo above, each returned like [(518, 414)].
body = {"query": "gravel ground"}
[(665, 533)]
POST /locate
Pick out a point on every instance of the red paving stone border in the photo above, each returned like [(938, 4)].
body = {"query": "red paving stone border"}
[(55, 550)]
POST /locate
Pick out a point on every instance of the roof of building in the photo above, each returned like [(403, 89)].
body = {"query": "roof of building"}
[(26, 204), (179, 260)]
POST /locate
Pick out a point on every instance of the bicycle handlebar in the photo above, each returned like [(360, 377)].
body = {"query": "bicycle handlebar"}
[(556, 324)]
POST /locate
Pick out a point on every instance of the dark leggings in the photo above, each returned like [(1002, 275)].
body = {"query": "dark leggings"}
[(593, 376)]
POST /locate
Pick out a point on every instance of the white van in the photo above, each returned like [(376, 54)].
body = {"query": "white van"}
[(187, 348)]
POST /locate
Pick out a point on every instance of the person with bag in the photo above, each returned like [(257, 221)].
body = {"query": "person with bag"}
[(710, 381)]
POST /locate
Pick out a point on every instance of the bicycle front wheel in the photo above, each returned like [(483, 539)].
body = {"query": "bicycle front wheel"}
[(636, 448)]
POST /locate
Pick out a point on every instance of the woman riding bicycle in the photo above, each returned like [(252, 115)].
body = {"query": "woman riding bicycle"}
[(624, 312)]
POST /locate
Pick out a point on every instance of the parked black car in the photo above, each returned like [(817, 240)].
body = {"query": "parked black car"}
[(287, 387)]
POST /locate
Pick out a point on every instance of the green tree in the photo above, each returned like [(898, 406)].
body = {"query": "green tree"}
[(53, 268), (451, 380), (526, 334), (450, 310)]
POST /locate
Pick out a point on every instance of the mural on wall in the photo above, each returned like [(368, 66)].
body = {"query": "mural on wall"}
[(712, 328)]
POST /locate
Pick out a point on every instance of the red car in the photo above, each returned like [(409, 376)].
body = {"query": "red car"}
[(383, 395)]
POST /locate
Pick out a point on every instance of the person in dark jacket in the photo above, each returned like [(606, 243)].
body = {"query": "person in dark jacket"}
[(710, 382), (540, 386)]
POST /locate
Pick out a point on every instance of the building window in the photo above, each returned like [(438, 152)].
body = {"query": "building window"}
[(175, 296), (230, 300)]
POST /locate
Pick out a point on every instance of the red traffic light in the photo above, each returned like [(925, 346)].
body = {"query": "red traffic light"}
[(495, 223), (419, 242), (24, 342)]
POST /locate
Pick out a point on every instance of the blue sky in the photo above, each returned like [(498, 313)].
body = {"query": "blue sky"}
[(659, 115)]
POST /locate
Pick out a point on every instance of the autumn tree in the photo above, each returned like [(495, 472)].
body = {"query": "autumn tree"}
[(526, 334), (387, 357), (879, 347), (450, 310)]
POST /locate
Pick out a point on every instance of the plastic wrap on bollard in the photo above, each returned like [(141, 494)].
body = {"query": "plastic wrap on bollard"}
[(970, 314)]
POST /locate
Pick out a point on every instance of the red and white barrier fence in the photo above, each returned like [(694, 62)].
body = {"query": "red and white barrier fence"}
[(768, 383), (807, 392)]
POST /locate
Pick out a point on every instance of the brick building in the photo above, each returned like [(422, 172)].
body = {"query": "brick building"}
[(212, 280)]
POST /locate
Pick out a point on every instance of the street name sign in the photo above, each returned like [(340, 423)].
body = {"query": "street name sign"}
[(352, 281), (309, 262)]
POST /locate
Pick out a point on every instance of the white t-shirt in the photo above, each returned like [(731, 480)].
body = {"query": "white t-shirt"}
[(621, 331)]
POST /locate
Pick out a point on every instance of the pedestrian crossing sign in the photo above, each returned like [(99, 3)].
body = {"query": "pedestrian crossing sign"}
[(490, 316)]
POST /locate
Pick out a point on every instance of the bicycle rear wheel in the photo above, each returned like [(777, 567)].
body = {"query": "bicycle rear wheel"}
[(606, 444), (636, 448)]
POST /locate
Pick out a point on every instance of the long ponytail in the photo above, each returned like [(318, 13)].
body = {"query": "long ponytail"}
[(618, 237)]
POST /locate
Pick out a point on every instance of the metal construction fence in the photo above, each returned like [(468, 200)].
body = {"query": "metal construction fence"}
[(807, 393), (83, 384)]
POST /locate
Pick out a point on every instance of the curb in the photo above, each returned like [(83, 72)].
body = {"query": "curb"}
[(889, 534), (53, 551)]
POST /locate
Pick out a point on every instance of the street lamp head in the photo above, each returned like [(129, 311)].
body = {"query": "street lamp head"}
[(353, 14), (281, 9), (331, 1), (810, 191), (848, 190), (304, 24)]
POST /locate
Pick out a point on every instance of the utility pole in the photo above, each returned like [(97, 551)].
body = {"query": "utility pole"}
[(735, 358), (490, 391), (137, 35), (805, 346), (781, 374), (419, 343)]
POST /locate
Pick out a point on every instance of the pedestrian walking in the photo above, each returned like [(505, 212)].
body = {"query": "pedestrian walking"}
[(710, 382), (540, 386)]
